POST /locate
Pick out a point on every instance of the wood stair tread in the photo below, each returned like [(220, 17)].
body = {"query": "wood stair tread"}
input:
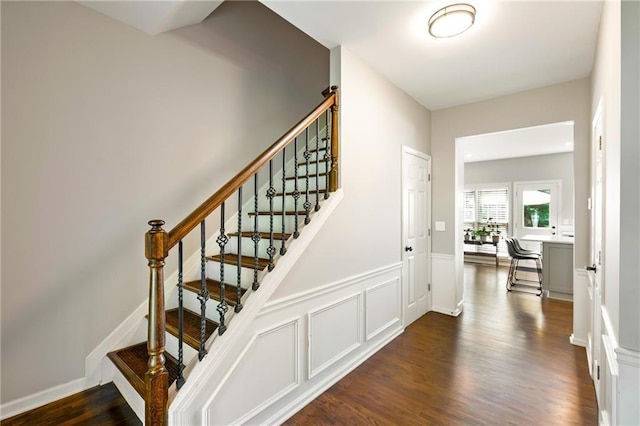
[(247, 261), (306, 163), (213, 287), (191, 335), (302, 192), (279, 213), (263, 235), (305, 176), (132, 362)]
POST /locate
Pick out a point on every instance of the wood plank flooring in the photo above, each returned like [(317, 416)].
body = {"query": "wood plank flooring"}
[(506, 360), (101, 405)]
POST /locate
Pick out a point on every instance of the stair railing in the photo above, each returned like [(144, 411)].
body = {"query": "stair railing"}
[(158, 244)]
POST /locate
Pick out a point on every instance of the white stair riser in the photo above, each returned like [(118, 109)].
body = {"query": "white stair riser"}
[(171, 346), (290, 185), (304, 169), (230, 274), (289, 204), (248, 246)]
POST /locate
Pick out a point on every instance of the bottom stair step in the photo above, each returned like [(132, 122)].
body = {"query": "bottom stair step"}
[(132, 363)]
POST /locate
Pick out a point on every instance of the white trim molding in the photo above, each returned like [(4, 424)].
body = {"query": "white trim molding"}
[(444, 290), (39, 399), (580, 308)]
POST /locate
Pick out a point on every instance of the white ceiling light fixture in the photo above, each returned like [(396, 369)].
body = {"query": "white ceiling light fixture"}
[(452, 20)]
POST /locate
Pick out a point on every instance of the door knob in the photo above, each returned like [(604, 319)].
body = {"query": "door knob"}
[(591, 268), (408, 248)]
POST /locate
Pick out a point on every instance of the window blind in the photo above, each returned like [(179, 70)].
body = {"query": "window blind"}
[(480, 205)]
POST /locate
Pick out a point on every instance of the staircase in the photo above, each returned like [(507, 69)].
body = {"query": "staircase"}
[(285, 185)]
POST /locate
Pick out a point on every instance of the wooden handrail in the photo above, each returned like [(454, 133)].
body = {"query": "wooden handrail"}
[(213, 202)]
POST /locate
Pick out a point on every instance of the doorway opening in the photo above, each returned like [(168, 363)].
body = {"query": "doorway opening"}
[(513, 183)]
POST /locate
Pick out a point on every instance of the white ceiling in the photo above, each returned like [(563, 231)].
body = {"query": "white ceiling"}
[(513, 46), (538, 140)]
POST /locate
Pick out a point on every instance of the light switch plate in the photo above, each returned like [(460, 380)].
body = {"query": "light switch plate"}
[(440, 226)]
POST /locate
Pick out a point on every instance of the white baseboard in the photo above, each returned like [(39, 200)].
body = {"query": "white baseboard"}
[(577, 342), (39, 399)]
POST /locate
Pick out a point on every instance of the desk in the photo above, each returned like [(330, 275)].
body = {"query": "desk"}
[(480, 243)]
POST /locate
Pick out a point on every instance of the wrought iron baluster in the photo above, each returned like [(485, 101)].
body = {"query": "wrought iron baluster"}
[(271, 192), (222, 241), (238, 306), (327, 156), (180, 379), (203, 295), (255, 237), (296, 193), (283, 250), (307, 157), (317, 165)]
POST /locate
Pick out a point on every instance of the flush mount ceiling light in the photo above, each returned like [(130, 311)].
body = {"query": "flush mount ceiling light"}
[(452, 20)]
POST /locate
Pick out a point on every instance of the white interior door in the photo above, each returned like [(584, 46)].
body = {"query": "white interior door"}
[(416, 247), (595, 269), (536, 208)]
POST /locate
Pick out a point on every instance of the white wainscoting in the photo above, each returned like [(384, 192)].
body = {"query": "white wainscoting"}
[(277, 349), (334, 332), (298, 347), (443, 276), (581, 307)]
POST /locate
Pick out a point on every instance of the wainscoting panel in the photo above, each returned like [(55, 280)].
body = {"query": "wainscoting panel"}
[(267, 369), (443, 277), (581, 307), (383, 307), (334, 331), (301, 345)]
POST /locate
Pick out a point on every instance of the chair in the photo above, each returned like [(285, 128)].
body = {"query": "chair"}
[(517, 256), (519, 248)]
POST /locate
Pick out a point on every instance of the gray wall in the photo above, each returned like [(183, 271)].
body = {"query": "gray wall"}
[(104, 128), (539, 167), (552, 104), (364, 232)]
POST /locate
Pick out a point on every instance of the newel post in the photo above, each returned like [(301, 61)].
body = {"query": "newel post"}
[(156, 378), (333, 173)]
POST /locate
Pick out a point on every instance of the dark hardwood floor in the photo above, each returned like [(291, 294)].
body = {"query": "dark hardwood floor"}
[(506, 360), (101, 405)]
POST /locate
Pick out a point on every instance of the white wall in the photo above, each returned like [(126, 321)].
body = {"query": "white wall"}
[(364, 232), (563, 102), (614, 82), (522, 169), (630, 177), (105, 128)]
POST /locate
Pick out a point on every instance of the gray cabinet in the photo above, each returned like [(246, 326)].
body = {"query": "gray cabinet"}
[(557, 269)]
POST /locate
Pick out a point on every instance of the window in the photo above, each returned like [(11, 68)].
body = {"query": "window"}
[(482, 203)]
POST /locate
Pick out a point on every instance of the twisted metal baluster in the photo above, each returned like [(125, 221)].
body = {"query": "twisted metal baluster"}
[(222, 241), (307, 157), (317, 164), (271, 192), (180, 379), (203, 295), (238, 306), (327, 156), (283, 250), (295, 193), (255, 237)]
